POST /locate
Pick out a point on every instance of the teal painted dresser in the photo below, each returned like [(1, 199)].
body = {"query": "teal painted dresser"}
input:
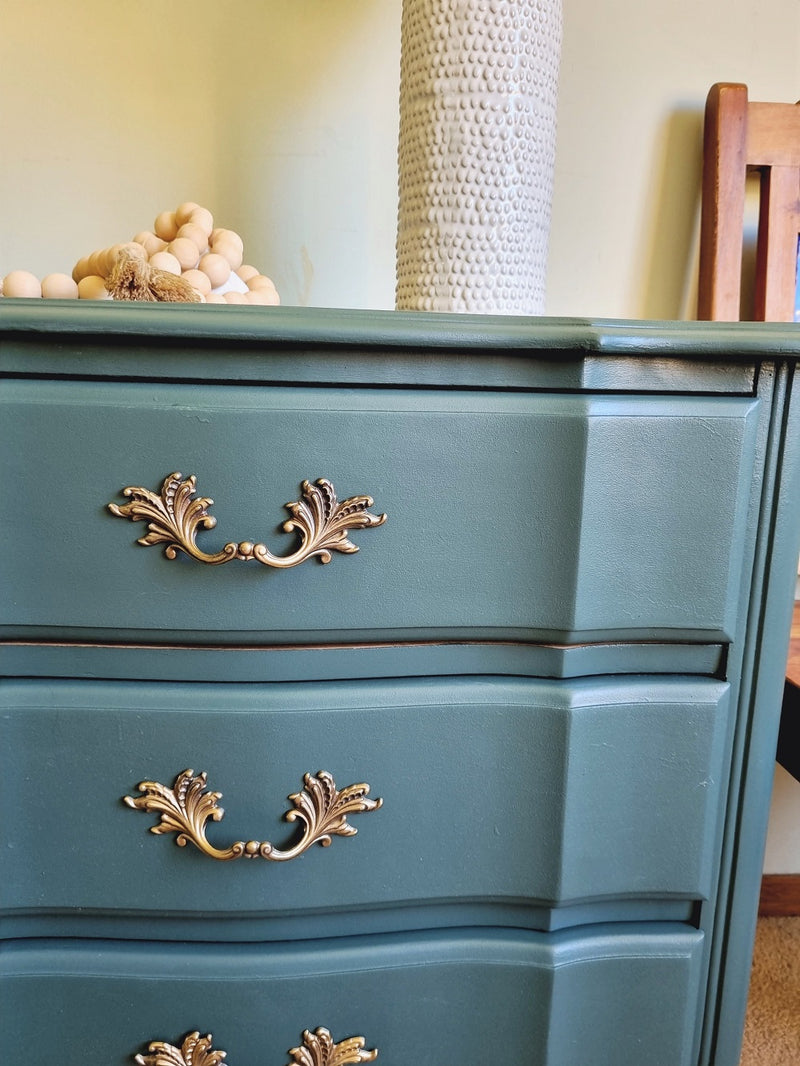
[(513, 650)]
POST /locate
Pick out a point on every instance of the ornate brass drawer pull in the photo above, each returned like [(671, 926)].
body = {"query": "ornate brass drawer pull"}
[(188, 806), (175, 516), (317, 1049)]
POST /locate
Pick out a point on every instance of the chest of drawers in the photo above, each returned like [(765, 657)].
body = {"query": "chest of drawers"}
[(524, 714)]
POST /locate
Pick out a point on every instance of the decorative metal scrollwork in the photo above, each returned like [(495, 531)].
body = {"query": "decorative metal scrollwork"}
[(176, 515), (317, 1049), (187, 807)]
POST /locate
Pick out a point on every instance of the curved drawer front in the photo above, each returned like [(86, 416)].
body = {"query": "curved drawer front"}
[(528, 516), (507, 791), (448, 998)]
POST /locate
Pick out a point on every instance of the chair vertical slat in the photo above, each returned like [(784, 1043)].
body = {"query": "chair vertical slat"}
[(776, 253), (723, 197)]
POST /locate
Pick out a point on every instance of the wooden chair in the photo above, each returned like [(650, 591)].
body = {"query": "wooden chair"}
[(789, 736), (741, 136)]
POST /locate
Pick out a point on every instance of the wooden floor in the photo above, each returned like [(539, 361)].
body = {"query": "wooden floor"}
[(793, 664)]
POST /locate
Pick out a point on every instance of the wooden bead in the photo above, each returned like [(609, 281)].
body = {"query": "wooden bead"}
[(59, 287), (21, 283)]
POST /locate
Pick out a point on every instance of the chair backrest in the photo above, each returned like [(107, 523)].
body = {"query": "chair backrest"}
[(739, 136)]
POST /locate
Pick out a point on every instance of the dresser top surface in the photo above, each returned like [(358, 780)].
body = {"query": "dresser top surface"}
[(181, 342), (399, 329)]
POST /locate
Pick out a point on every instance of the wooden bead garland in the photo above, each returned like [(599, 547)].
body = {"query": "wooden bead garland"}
[(183, 258)]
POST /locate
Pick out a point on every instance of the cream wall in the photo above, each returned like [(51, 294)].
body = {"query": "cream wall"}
[(634, 78), (281, 116), (107, 115)]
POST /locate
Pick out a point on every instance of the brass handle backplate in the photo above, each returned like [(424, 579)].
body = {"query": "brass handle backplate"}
[(187, 807), (175, 516), (317, 1049)]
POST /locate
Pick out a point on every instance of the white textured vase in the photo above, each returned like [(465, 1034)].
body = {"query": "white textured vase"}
[(478, 94)]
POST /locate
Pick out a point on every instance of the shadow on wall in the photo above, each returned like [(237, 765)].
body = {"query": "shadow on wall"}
[(669, 251)]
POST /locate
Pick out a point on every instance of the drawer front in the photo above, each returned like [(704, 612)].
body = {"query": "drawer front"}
[(506, 792), (610, 999), (510, 516)]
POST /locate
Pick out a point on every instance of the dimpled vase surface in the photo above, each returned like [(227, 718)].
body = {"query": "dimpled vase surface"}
[(478, 93)]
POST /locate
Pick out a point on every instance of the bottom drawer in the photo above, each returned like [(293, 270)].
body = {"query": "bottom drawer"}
[(609, 996)]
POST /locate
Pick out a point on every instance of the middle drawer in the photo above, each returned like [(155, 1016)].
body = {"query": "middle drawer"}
[(495, 791)]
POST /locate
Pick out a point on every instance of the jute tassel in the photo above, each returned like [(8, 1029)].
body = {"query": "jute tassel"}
[(132, 278)]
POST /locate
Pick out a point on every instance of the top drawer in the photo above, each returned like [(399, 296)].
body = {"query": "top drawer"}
[(510, 515)]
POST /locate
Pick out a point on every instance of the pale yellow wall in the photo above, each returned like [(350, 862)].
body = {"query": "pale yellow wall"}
[(281, 116), (107, 114), (308, 169), (635, 74), (783, 838)]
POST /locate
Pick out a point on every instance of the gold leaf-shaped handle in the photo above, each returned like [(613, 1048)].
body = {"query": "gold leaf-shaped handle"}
[(188, 806), (176, 514), (317, 1049)]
